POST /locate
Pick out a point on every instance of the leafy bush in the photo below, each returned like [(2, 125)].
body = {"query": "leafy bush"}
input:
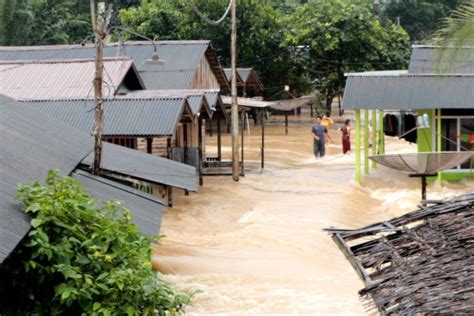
[(81, 259)]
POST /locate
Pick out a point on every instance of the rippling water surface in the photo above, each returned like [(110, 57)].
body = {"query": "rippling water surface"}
[(257, 246)]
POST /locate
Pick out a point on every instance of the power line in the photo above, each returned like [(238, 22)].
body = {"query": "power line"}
[(205, 18)]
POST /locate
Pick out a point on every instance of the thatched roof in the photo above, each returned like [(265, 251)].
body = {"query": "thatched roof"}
[(422, 262)]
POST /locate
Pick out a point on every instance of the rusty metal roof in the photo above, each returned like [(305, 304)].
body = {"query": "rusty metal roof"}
[(182, 59), (55, 79)]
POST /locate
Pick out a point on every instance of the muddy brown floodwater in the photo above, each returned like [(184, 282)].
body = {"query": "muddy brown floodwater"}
[(257, 246)]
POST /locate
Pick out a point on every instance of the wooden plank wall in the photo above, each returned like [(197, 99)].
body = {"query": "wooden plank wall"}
[(159, 146), (204, 77)]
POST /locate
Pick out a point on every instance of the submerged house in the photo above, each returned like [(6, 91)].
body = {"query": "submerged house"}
[(418, 264), (442, 92), (32, 144)]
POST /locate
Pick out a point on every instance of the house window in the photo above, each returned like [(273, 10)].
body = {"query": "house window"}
[(458, 135)]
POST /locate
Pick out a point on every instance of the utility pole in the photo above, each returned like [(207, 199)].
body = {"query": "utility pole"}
[(100, 34), (234, 108)]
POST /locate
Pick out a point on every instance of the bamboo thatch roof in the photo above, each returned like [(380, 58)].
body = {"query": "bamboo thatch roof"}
[(421, 262)]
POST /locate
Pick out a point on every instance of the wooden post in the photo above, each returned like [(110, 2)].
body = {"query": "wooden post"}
[(374, 136), (210, 128), (242, 166), (100, 35), (200, 158), (311, 107), (286, 123), (169, 189), (219, 141), (262, 111), (185, 148), (234, 107), (357, 150), (366, 142), (381, 134)]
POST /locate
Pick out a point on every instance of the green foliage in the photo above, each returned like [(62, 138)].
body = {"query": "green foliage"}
[(340, 36), (420, 18), (456, 34), (81, 259), (260, 40)]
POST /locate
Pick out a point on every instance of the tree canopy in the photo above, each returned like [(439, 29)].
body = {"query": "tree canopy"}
[(420, 18), (339, 37)]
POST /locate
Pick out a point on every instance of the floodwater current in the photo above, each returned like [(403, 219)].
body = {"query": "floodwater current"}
[(257, 246)]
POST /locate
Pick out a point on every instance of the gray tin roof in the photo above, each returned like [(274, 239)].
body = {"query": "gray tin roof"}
[(409, 92), (136, 164), (147, 209), (32, 144), (182, 59), (123, 116), (425, 59)]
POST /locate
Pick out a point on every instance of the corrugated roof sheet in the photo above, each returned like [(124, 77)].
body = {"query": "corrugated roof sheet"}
[(182, 59), (46, 80), (29, 148), (32, 144), (424, 59), (409, 92), (146, 167), (123, 116), (197, 99), (244, 73), (228, 75), (147, 209)]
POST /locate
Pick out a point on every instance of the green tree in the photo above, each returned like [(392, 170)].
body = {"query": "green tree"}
[(420, 18), (81, 256), (260, 40), (338, 37), (456, 36)]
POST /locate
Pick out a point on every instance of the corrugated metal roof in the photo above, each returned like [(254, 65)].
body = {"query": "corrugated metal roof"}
[(424, 59), (146, 209), (244, 73), (123, 115), (46, 80), (409, 92), (182, 59), (228, 75), (197, 99), (30, 146), (145, 167)]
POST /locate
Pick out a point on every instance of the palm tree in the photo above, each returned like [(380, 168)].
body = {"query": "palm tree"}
[(456, 37)]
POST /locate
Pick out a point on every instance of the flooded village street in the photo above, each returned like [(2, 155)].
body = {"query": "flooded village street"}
[(257, 246)]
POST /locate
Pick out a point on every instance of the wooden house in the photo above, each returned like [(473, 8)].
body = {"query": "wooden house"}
[(248, 82), (49, 144)]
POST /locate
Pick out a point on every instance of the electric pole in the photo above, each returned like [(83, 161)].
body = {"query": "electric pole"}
[(100, 34), (235, 107)]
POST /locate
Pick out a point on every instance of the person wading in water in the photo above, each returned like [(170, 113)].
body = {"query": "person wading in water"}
[(346, 137), (318, 132)]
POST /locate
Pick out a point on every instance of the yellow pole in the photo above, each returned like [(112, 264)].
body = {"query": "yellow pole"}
[(357, 149), (366, 142), (374, 136)]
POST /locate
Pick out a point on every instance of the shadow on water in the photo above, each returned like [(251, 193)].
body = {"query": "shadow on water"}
[(257, 246)]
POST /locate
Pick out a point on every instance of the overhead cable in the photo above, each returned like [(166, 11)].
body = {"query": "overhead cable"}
[(205, 18)]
